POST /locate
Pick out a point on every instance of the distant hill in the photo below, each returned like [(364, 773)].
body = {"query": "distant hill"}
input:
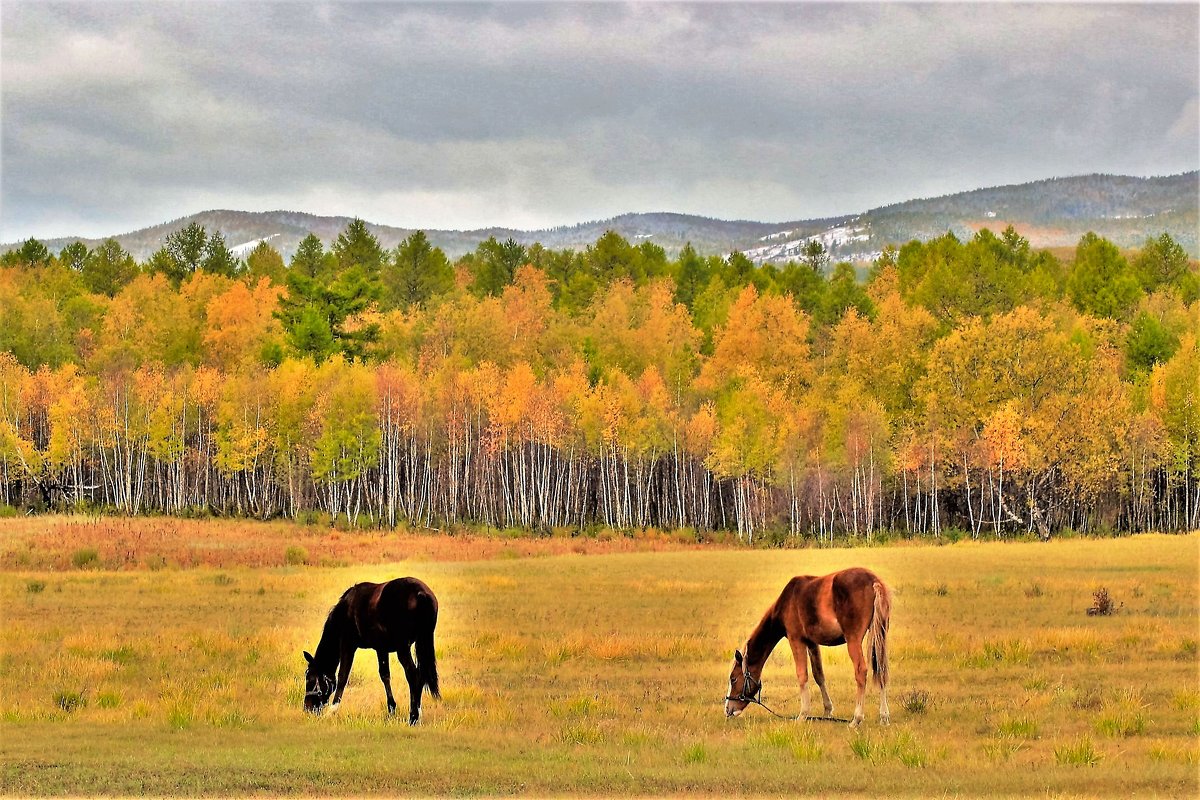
[(1050, 213)]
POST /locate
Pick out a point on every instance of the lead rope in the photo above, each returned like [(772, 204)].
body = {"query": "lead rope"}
[(756, 699)]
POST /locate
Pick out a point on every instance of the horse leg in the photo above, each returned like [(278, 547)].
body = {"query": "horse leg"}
[(414, 685), (385, 675), (860, 676), (801, 673), (818, 672), (343, 676)]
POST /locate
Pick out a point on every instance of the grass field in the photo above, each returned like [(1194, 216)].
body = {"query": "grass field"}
[(587, 673)]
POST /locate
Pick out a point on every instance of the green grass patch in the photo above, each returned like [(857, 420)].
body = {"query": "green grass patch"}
[(1079, 753)]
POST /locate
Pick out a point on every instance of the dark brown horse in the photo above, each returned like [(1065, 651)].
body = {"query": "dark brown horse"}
[(387, 618), (812, 612)]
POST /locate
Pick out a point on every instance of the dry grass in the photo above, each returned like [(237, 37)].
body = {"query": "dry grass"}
[(597, 675), (155, 543)]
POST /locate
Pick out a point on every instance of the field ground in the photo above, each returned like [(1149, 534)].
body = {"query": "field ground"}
[(566, 673)]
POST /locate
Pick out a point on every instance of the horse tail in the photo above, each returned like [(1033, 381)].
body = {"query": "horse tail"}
[(878, 633), (426, 659)]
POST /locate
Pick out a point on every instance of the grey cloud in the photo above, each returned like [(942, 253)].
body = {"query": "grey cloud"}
[(464, 115)]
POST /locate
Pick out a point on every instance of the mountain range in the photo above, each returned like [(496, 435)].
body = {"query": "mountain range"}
[(1050, 213)]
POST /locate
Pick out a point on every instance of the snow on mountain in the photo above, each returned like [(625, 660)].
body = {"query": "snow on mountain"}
[(838, 240), (245, 248)]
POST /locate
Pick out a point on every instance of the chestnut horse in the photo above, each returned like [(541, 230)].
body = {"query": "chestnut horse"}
[(387, 618), (812, 612)]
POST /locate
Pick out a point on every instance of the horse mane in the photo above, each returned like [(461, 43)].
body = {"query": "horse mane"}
[(328, 653), (766, 635)]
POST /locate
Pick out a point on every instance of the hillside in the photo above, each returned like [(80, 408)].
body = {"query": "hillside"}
[(1050, 213)]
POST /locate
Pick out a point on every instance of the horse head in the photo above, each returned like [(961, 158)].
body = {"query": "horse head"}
[(744, 688), (318, 687)]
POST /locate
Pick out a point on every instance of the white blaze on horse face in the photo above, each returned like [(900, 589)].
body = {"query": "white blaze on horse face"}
[(734, 707)]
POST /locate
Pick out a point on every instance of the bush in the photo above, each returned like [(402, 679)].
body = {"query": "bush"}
[(1102, 604), (35, 587), (295, 555), (8, 511)]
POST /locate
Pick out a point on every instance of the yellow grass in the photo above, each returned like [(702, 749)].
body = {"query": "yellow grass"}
[(601, 674)]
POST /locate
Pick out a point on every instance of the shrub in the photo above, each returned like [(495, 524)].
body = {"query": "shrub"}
[(7, 511), (1102, 604), (295, 555), (35, 587)]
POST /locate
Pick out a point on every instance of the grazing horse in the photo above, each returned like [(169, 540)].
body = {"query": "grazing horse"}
[(387, 618), (841, 608)]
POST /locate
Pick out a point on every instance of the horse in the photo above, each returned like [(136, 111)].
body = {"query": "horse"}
[(387, 618), (841, 608)]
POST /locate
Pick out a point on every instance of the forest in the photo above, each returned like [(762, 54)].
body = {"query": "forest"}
[(972, 387)]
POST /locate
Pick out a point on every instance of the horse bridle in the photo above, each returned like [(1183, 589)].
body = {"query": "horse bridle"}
[(752, 693), (325, 685), (749, 694)]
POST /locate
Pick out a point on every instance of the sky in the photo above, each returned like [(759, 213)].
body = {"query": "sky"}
[(115, 116)]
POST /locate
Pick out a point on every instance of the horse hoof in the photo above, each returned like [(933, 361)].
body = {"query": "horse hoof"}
[(856, 722), (414, 720)]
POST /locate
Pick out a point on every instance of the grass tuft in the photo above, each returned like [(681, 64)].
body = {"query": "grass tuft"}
[(85, 558), (581, 734), (695, 753), (1120, 723), (69, 700), (108, 699), (1018, 728), (915, 701), (802, 743), (295, 556), (1080, 753)]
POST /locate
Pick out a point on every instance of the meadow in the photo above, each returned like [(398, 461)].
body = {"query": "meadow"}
[(163, 657)]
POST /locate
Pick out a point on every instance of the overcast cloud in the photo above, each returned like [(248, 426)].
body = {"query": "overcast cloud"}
[(115, 116)]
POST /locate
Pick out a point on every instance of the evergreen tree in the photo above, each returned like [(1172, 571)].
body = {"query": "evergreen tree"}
[(108, 268), (691, 275), (495, 264), (218, 260), (311, 260), (356, 246), (264, 261), (181, 255), (417, 272), (1101, 282), (73, 256)]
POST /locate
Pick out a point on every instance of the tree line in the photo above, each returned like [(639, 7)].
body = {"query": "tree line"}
[(979, 385)]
